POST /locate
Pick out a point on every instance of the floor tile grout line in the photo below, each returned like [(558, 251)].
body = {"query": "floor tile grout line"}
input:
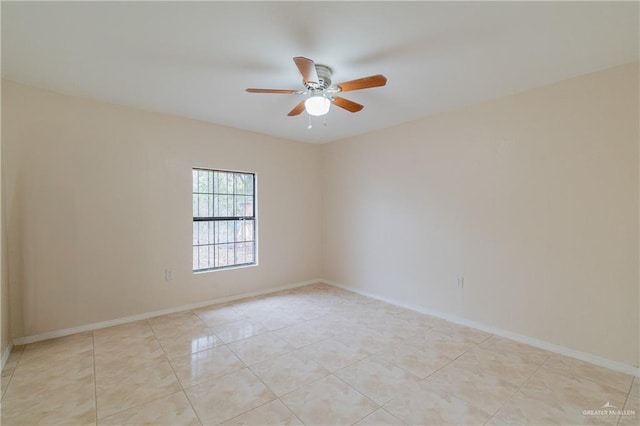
[(307, 345), (448, 363), (395, 417), (625, 402), (366, 415), (571, 375), (12, 373), (263, 383), (216, 377), (291, 411), (378, 406), (226, 322), (254, 335), (350, 364), (137, 405), (588, 378), (165, 353), (140, 405), (193, 408), (304, 384), (251, 409), (173, 358), (518, 390), (205, 325), (192, 312), (308, 384), (174, 373), (429, 375), (394, 365)]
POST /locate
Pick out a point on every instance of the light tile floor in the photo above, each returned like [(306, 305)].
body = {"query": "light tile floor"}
[(312, 355)]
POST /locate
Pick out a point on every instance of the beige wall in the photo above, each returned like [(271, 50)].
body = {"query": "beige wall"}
[(5, 340), (98, 204), (532, 198)]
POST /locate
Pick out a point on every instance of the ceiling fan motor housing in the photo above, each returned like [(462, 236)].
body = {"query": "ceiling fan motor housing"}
[(324, 78)]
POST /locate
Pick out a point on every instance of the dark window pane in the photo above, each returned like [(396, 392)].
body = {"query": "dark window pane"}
[(249, 185), (250, 252), (239, 182), (249, 227), (231, 231), (244, 205), (217, 225), (229, 206), (203, 257), (203, 181), (196, 265), (230, 183), (220, 256), (203, 205), (244, 184), (239, 205), (203, 233), (224, 206), (249, 206), (224, 183), (225, 254), (222, 232), (195, 233), (212, 255), (240, 253), (239, 230), (216, 182)]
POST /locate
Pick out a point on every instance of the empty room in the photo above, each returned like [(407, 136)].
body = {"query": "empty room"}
[(320, 213)]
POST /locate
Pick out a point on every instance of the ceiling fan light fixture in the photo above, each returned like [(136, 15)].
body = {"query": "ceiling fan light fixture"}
[(317, 105)]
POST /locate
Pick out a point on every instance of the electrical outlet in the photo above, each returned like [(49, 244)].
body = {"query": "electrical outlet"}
[(168, 274), (460, 282)]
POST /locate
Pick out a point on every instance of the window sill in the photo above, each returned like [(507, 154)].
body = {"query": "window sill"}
[(225, 268)]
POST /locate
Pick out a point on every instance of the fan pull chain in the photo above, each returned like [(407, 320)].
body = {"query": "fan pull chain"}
[(309, 126)]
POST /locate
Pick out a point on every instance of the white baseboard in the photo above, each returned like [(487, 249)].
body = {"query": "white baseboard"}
[(5, 355), (118, 321), (552, 347)]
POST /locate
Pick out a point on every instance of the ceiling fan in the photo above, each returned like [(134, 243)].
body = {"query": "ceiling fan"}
[(317, 82)]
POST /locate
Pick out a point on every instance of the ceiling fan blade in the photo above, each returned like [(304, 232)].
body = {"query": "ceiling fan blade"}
[(308, 69), (297, 110), (363, 83), (347, 104), (279, 91)]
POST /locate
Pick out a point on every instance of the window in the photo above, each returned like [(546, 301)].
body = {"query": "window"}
[(224, 219)]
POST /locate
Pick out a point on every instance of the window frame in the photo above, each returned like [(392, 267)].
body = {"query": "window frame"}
[(234, 219)]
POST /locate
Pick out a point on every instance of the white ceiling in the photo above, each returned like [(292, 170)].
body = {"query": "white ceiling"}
[(195, 59)]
